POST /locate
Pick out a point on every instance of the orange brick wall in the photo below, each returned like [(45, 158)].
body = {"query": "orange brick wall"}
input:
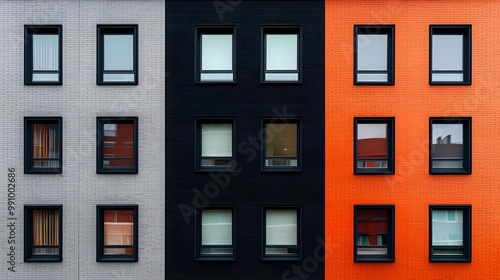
[(412, 101)]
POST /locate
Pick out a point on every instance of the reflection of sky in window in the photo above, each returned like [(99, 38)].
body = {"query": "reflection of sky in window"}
[(443, 130), (118, 52), (447, 52), (372, 52), (372, 130)]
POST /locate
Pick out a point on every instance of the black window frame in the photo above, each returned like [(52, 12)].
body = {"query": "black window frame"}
[(281, 29), (467, 145), (466, 31), (213, 29), (28, 146), (388, 30), (467, 234), (100, 256), (100, 145), (298, 247), (391, 124), (28, 237), (391, 236), (198, 145), (29, 31), (198, 233), (127, 29), (282, 168)]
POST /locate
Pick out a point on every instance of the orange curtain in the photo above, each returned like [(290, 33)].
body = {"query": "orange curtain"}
[(46, 230), (41, 140)]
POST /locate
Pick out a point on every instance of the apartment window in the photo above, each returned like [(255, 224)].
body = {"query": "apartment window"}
[(43, 233), (374, 233), (43, 55), (374, 145), (117, 145), (281, 233), (215, 234), (216, 54), (281, 54), (117, 233), (450, 233), (215, 147), (43, 145), (281, 145), (450, 55), (450, 145), (374, 54), (117, 59)]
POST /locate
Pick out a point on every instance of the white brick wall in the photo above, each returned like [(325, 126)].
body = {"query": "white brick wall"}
[(79, 101)]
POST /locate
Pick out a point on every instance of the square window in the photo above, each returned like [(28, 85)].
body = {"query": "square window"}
[(215, 234), (281, 145), (43, 145), (215, 144), (450, 55), (450, 145), (43, 55), (374, 233), (450, 233), (216, 54), (374, 54), (281, 53), (43, 233), (373, 145), (117, 145), (117, 59), (117, 233), (281, 233)]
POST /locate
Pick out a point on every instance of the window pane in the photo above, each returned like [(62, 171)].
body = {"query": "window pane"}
[(46, 53), (118, 230), (45, 144), (45, 231), (119, 141), (447, 52), (373, 77), (372, 144), (281, 227), (372, 52), (281, 140), (281, 51), (447, 228), (447, 144), (217, 227), (217, 140), (372, 230), (118, 52), (45, 77), (216, 52), (118, 77), (282, 77), (217, 77)]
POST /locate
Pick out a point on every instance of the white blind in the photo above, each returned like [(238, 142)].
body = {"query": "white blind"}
[(372, 52), (281, 227), (118, 52), (447, 52), (447, 227), (45, 52), (217, 52), (216, 227), (281, 51), (216, 140)]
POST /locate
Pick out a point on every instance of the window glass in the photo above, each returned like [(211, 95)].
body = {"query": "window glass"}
[(45, 57), (45, 144), (281, 231), (45, 232), (372, 52), (372, 230), (217, 51), (281, 51), (118, 231), (281, 144), (372, 146), (118, 52), (447, 146), (117, 145), (447, 230), (217, 140), (216, 232)]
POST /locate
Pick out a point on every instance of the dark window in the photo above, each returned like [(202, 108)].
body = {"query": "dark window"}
[(281, 54), (117, 59), (374, 145), (43, 233), (450, 55), (281, 144), (374, 54), (216, 54), (281, 233), (450, 145), (117, 233), (117, 147), (215, 234), (43, 55), (215, 147), (43, 145), (374, 233), (450, 233)]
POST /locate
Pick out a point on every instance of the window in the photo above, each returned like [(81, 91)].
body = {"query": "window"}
[(281, 54), (374, 54), (450, 233), (117, 233), (374, 233), (43, 55), (117, 60), (43, 233), (450, 145), (215, 147), (450, 55), (215, 54), (281, 233), (215, 234), (117, 147), (43, 145), (373, 145), (281, 145)]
